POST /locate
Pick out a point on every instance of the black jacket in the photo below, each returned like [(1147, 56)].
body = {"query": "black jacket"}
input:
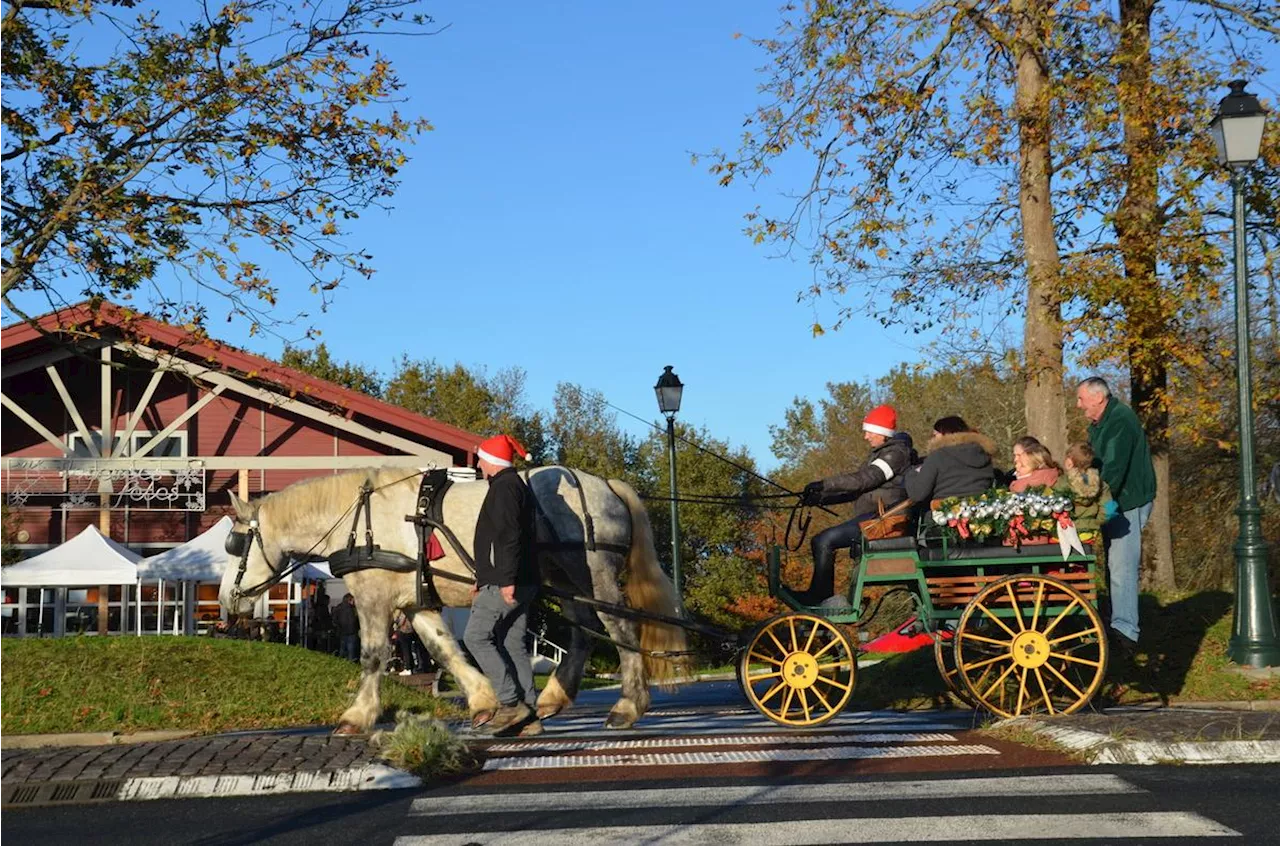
[(879, 480), (957, 465), (504, 533), (345, 619)]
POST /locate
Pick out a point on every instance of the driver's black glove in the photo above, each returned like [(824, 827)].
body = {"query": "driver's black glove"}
[(812, 494)]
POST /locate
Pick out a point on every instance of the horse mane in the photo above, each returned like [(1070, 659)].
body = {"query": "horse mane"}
[(329, 495)]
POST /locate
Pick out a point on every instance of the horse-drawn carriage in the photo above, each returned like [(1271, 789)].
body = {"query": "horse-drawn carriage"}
[(1026, 635), (1015, 629)]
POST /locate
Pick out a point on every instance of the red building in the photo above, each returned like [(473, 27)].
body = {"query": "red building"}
[(142, 428)]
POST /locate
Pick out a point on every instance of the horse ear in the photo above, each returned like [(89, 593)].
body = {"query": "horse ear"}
[(244, 511)]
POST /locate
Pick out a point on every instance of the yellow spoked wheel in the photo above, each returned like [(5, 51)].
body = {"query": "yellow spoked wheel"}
[(798, 670), (944, 655), (1030, 644)]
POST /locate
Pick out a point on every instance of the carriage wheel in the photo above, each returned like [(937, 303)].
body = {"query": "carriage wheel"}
[(944, 655), (1046, 653), (798, 670)]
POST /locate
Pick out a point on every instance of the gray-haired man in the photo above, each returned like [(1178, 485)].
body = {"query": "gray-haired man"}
[(1121, 450)]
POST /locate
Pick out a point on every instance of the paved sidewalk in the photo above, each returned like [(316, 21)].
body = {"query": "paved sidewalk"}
[(218, 765)]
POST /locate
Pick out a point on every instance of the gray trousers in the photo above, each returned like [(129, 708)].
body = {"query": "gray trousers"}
[(495, 637)]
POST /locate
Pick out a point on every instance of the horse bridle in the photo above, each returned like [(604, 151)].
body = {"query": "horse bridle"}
[(239, 543)]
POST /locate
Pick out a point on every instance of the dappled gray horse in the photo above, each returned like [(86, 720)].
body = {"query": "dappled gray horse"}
[(312, 519)]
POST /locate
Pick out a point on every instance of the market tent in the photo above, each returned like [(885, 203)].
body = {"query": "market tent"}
[(201, 559), (87, 559)]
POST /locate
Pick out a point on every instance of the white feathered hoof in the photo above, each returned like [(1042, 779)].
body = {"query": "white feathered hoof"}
[(348, 730), (546, 712), (622, 716)]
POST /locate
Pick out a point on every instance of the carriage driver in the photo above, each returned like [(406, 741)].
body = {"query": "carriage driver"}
[(506, 584), (877, 482)]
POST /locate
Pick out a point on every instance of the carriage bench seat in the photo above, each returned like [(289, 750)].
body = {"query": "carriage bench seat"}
[(973, 553), (890, 544), (957, 591)]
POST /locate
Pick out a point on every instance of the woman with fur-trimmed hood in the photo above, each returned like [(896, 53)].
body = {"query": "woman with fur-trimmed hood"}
[(958, 464)]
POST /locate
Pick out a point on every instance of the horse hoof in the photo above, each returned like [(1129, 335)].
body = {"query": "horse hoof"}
[(617, 721), (479, 718), (546, 712), (348, 729)]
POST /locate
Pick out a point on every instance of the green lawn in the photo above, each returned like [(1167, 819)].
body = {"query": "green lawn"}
[(132, 684)]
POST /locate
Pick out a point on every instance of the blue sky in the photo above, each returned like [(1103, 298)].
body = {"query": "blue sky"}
[(554, 220)]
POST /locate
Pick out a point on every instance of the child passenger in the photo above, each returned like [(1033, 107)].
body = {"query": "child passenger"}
[(1033, 466), (1092, 503)]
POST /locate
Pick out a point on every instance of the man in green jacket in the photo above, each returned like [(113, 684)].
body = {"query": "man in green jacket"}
[(1122, 454)]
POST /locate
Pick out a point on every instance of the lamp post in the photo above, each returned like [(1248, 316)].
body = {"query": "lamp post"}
[(1237, 132), (669, 390)]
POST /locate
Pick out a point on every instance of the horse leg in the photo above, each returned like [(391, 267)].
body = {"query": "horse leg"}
[(562, 687), (374, 610), (444, 649), (635, 681)]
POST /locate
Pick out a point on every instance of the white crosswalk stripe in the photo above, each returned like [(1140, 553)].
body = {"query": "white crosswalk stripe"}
[(740, 756), (682, 815)]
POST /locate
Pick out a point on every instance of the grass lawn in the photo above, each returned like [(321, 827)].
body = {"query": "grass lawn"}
[(1182, 658), (132, 684)]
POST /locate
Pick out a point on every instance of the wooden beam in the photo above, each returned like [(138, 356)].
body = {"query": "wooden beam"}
[(34, 424), (72, 410), (229, 462), (191, 411), (61, 352), (107, 405), (137, 414), (217, 377)]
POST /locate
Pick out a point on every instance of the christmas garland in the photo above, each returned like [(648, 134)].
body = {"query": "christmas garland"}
[(1001, 515)]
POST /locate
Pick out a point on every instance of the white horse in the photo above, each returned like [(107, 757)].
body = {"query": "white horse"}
[(313, 518)]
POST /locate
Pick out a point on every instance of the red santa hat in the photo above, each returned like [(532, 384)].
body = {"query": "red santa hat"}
[(501, 450), (882, 420)]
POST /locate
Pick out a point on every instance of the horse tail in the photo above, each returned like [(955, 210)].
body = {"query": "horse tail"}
[(648, 588)]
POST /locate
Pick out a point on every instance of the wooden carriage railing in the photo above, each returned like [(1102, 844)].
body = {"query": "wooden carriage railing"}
[(956, 591)]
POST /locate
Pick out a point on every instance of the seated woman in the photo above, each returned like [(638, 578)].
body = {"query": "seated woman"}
[(877, 482), (1033, 465), (958, 464)]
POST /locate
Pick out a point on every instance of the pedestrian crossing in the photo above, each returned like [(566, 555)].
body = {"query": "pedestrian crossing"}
[(732, 736), (1020, 808)]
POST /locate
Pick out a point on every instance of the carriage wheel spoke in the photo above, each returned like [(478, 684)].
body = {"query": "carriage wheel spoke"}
[(786, 701), (1013, 602), (1064, 680), (832, 682), (795, 643), (772, 692), (804, 704), (770, 659), (1035, 612), (1012, 666), (1062, 615), (1066, 656), (1022, 691), (782, 650), (808, 644), (823, 651), (980, 664), (985, 610), (818, 693), (1075, 636), (1007, 644), (1044, 691), (759, 677)]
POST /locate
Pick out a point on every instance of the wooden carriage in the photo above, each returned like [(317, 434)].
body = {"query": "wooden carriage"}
[(1016, 629)]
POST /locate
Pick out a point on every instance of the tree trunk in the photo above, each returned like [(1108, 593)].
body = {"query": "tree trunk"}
[(1138, 227), (1042, 340)]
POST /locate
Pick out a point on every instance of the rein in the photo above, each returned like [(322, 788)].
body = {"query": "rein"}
[(240, 543)]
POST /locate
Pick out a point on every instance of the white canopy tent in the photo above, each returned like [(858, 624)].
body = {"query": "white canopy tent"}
[(87, 559), (65, 579), (201, 559)]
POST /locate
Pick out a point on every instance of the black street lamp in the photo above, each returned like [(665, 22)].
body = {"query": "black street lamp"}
[(669, 390), (1237, 132)]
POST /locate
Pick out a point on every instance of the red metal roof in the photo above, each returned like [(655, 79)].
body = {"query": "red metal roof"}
[(298, 385)]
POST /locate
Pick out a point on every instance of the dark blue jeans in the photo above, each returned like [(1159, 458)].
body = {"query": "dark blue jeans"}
[(824, 546), (349, 647)]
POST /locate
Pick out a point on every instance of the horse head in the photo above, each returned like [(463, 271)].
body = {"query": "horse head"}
[(253, 558)]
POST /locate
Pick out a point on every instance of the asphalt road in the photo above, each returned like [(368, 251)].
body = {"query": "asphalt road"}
[(1110, 804)]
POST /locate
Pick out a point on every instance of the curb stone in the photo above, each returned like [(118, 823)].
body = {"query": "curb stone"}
[(89, 738), (1100, 749), (369, 777)]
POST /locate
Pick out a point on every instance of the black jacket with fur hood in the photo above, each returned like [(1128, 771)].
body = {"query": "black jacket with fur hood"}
[(957, 465)]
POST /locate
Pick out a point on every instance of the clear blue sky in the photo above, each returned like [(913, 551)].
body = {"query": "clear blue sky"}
[(553, 220)]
